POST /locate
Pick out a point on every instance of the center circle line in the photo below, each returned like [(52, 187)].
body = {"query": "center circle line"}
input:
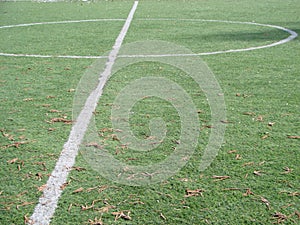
[(292, 36)]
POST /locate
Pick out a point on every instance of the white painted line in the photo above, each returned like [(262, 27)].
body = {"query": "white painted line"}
[(59, 22), (292, 36), (48, 201)]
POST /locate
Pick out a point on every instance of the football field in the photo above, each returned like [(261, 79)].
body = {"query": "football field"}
[(149, 112)]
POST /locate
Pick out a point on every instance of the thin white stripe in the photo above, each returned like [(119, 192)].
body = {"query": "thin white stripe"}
[(48, 201), (59, 22)]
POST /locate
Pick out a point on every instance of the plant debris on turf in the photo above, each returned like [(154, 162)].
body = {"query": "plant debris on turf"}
[(253, 180)]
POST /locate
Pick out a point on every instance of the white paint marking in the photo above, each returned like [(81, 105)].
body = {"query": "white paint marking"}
[(48, 201), (59, 22), (292, 36)]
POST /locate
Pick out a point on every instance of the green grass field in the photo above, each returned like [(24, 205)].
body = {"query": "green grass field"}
[(255, 179)]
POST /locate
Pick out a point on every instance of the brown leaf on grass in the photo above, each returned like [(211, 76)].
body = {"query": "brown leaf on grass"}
[(8, 136), (102, 188), (238, 157), (249, 113), (15, 144), (162, 216), (105, 209), (271, 124), (266, 202), (258, 173), (50, 96), (131, 159), (115, 137), (11, 138), (6, 208), (70, 207), (21, 194), (39, 176), (46, 105), (184, 179), (54, 111), (248, 164), (248, 192), (78, 168), (197, 192), (91, 189), (26, 219), (232, 151), (124, 146), (78, 190), (294, 194), (64, 185), (65, 121), (137, 203), (217, 178), (287, 170), (24, 204), (94, 144), (95, 221), (122, 214), (106, 130), (280, 217), (293, 137), (225, 121), (41, 188), (265, 136), (287, 206), (260, 118), (151, 138), (27, 99), (12, 161), (232, 189), (21, 130), (297, 214), (22, 137), (206, 126), (71, 90), (86, 207)]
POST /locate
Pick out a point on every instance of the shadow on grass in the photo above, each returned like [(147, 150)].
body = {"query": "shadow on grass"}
[(294, 26), (246, 36)]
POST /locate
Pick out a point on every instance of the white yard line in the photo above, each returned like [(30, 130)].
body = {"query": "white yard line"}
[(48, 201)]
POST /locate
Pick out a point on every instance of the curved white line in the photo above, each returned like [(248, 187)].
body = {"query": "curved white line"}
[(292, 36)]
